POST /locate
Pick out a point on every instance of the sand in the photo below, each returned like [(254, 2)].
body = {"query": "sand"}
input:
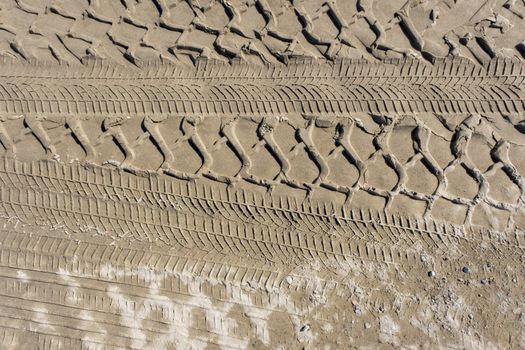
[(264, 174)]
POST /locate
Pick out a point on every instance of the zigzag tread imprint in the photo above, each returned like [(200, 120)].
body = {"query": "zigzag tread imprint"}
[(257, 31), (338, 151)]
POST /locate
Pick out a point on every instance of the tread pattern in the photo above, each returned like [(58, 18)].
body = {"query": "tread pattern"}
[(83, 275), (394, 87), (261, 173), (230, 137), (206, 201), (135, 223), (94, 274), (257, 30), (362, 236)]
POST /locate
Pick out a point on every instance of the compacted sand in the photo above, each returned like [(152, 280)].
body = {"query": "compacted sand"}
[(262, 174)]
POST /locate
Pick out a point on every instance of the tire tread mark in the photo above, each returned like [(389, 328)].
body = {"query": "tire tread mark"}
[(277, 210), (473, 88)]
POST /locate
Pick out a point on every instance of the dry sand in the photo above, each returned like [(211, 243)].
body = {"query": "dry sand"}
[(264, 174)]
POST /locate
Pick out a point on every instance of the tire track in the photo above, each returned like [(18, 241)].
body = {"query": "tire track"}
[(392, 87)]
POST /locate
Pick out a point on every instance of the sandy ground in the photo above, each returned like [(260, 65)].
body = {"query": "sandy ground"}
[(265, 174)]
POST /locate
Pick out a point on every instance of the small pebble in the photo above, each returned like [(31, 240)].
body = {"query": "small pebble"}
[(367, 325), (470, 316), (514, 280), (466, 269), (357, 310), (431, 273)]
